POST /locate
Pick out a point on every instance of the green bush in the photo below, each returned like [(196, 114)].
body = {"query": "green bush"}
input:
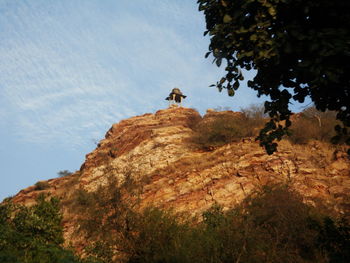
[(33, 234)]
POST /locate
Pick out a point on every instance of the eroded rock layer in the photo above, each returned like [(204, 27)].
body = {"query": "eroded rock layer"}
[(157, 150)]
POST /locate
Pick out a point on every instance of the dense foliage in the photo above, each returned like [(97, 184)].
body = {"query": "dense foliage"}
[(109, 220), (271, 225), (299, 49), (32, 234)]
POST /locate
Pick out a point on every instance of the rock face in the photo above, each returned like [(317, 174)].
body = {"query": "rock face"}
[(157, 149)]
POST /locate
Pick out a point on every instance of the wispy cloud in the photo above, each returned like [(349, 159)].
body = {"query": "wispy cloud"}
[(70, 69)]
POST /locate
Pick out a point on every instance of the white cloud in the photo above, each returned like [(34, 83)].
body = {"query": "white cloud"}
[(69, 70)]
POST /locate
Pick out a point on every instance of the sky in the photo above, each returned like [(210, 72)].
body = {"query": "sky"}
[(69, 69)]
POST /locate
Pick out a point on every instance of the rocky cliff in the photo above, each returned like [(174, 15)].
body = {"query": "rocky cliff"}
[(157, 150)]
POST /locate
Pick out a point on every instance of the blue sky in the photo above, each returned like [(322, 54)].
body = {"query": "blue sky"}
[(69, 69)]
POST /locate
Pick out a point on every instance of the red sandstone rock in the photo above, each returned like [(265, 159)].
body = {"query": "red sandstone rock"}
[(181, 177)]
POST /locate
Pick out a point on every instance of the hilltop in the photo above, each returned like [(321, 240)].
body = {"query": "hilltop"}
[(157, 153)]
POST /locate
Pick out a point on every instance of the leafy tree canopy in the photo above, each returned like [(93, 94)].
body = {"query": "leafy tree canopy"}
[(33, 234), (299, 49)]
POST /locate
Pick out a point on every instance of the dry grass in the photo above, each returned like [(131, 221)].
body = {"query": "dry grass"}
[(313, 125), (222, 129)]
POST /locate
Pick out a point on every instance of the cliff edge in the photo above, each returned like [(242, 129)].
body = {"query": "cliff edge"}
[(157, 151)]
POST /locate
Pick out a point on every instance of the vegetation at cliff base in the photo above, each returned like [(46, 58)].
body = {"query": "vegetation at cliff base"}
[(271, 225), (33, 234), (298, 48)]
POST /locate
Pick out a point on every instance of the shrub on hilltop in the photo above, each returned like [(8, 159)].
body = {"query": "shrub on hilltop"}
[(226, 127), (311, 124), (220, 128)]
